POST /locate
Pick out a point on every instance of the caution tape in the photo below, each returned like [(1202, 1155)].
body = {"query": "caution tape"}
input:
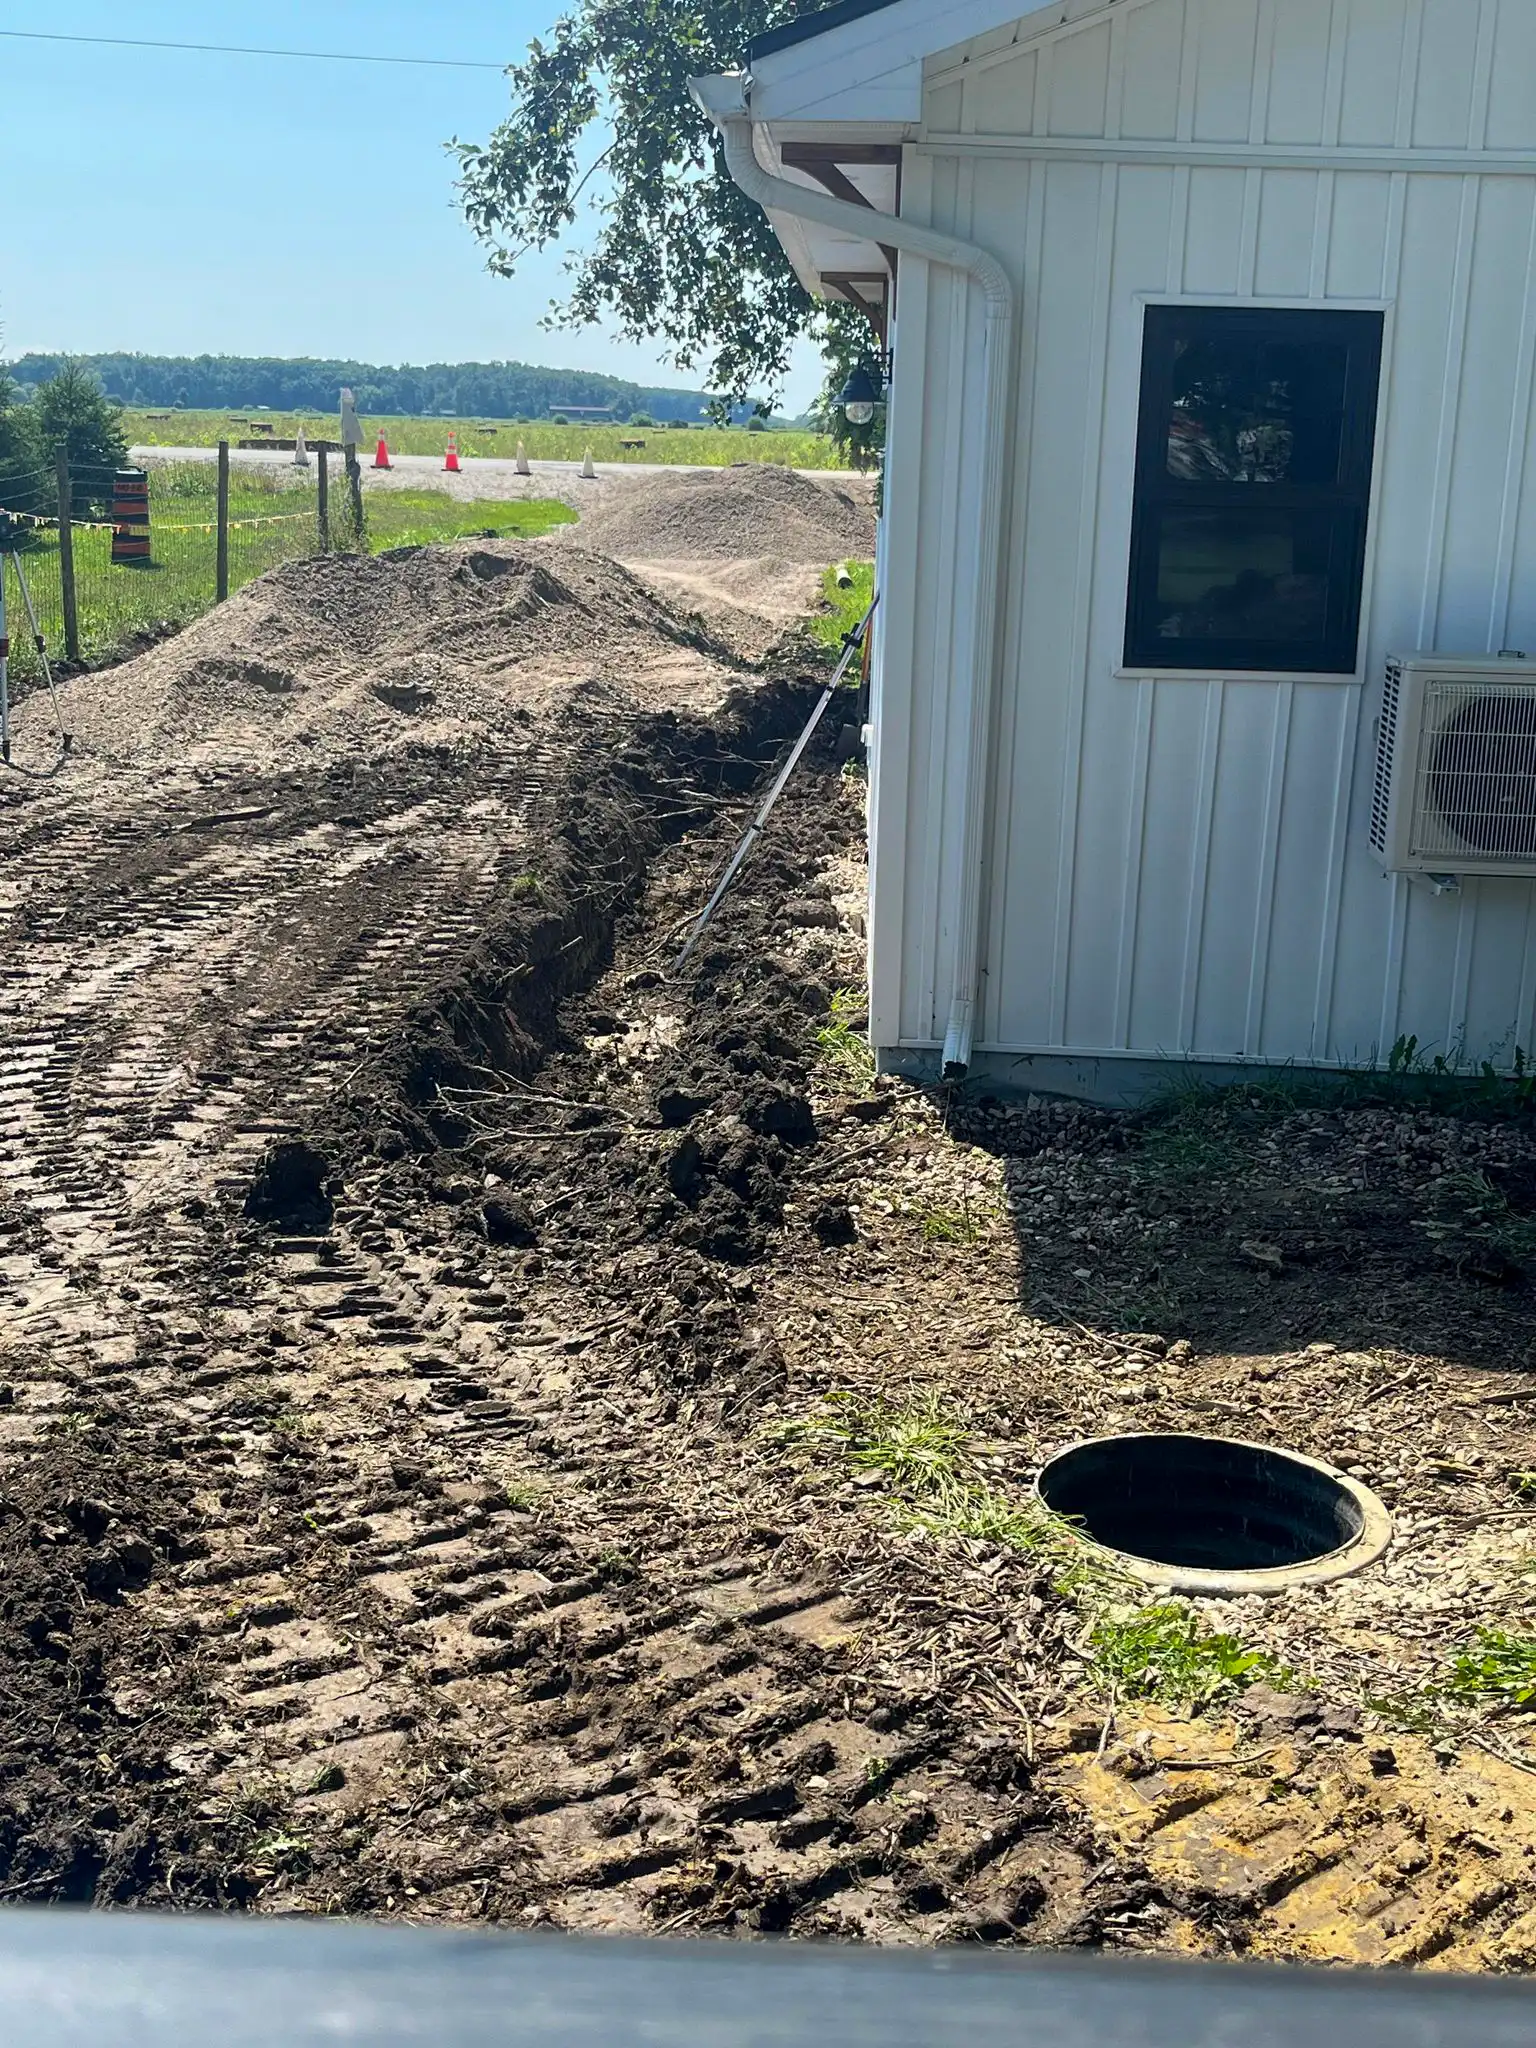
[(237, 525), (158, 526)]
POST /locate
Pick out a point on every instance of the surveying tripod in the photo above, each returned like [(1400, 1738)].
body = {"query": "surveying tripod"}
[(10, 563)]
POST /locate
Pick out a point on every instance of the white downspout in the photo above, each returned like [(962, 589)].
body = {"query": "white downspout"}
[(724, 100)]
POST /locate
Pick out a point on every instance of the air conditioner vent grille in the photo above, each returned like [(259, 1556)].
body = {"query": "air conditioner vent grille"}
[(1386, 754), (1475, 778)]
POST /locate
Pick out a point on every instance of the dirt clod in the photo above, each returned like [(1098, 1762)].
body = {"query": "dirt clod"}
[(291, 1187)]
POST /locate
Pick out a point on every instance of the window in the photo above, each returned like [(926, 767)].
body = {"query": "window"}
[(1253, 484)]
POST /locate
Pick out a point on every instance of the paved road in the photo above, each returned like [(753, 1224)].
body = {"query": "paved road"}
[(482, 476)]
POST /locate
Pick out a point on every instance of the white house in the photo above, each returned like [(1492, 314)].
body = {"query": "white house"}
[(1213, 329)]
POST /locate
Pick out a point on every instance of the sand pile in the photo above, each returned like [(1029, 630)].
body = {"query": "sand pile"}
[(438, 645), (753, 509)]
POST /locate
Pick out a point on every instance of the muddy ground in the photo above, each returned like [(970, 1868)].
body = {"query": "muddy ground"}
[(450, 1360)]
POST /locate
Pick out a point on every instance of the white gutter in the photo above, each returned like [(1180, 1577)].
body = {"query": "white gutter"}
[(725, 101)]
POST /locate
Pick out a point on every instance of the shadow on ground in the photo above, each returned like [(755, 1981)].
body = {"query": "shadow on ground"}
[(1255, 1220)]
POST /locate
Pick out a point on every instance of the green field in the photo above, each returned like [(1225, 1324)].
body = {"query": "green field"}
[(695, 446), (272, 520)]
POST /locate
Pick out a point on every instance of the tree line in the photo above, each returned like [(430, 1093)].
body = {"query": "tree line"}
[(506, 391)]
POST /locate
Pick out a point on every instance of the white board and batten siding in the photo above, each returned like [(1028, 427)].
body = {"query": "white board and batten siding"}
[(1179, 866)]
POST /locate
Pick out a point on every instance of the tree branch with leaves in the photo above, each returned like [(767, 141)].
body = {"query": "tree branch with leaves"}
[(603, 130)]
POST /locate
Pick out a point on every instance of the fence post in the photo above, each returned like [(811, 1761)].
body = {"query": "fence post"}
[(67, 560), (355, 485), (323, 500), (221, 554)]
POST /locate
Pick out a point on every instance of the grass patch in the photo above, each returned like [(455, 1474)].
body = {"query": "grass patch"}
[(1497, 1668), (842, 1040), (1468, 1207), (1161, 1653), (1409, 1078), (923, 1454), (918, 1449), (950, 1226), (423, 518), (272, 520), (845, 608), (544, 440), (1188, 1148), (1166, 1654)]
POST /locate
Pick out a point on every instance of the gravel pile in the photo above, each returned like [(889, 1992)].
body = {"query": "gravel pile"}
[(753, 509)]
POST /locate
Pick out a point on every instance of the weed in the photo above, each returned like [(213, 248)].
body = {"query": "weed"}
[(1468, 1206), (1187, 1153), (1447, 1080), (1164, 1653), (1409, 1078), (845, 607), (1414, 1713), (950, 1226), (523, 1496), (1496, 1667), (282, 1851), (525, 885), (1523, 1485), (842, 1042), (917, 1449), (921, 1452)]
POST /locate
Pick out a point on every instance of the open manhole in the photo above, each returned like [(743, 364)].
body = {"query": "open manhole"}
[(1203, 1514)]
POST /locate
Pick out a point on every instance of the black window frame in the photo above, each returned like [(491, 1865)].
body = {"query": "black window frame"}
[(1344, 504)]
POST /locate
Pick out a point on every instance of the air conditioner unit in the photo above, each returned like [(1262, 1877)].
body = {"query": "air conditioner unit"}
[(1455, 789)]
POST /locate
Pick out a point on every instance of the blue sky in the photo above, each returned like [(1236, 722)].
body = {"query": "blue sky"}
[(177, 203)]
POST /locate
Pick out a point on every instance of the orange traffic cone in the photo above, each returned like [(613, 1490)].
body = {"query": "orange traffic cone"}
[(381, 456), (451, 459)]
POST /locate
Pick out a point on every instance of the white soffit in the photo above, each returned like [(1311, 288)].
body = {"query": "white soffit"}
[(815, 251)]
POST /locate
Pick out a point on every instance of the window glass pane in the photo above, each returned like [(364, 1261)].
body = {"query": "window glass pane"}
[(1243, 575), (1244, 410)]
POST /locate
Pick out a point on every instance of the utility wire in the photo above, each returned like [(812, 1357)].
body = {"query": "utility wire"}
[(33, 35)]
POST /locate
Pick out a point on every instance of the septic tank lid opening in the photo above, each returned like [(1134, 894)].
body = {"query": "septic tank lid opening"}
[(1207, 1514)]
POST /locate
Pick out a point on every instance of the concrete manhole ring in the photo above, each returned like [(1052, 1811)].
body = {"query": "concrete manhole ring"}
[(1215, 1515)]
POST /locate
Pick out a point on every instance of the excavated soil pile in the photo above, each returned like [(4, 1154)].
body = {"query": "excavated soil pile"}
[(418, 645), (717, 515)]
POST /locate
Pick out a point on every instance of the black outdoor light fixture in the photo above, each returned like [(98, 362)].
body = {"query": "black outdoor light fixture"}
[(860, 395)]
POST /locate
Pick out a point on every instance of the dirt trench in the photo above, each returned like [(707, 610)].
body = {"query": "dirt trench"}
[(383, 1361), (425, 1318)]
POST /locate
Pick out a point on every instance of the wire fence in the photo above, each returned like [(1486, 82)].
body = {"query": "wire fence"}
[(211, 529)]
